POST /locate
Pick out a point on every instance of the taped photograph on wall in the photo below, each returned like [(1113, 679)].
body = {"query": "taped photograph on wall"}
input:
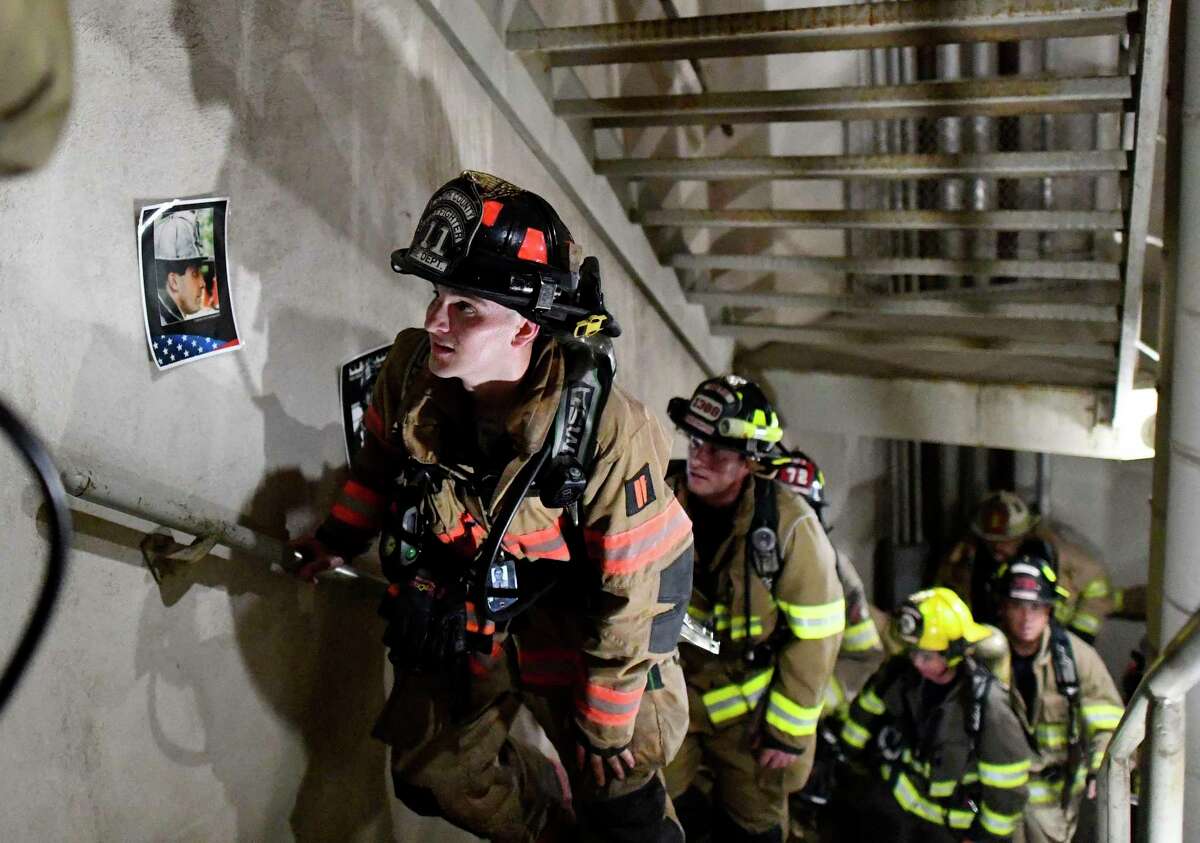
[(187, 307), (355, 386)]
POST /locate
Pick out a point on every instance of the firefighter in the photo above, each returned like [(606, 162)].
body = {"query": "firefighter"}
[(35, 81), (534, 555), (1063, 695), (945, 757), (766, 585), (1001, 522), (859, 657), (862, 651)]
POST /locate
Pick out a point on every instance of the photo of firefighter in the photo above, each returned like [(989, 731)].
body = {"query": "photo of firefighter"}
[(184, 262), (188, 308)]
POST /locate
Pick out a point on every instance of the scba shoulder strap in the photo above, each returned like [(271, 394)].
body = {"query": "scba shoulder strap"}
[(1066, 675), (762, 542)]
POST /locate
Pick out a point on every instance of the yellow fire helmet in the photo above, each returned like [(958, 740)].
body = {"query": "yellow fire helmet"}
[(939, 621)]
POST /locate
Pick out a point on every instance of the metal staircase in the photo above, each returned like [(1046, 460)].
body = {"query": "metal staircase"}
[(967, 261)]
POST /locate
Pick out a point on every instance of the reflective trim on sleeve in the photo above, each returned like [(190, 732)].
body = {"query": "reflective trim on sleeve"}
[(1042, 792), (942, 789), (608, 706), (730, 701), (870, 702), (1095, 589), (699, 614), (631, 550), (1001, 825), (814, 622), (861, 637), (1102, 717), (1051, 736), (737, 628), (1004, 776), (1085, 623), (854, 734), (790, 718), (834, 695), (910, 799)]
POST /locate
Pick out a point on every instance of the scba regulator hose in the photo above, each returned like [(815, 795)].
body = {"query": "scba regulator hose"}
[(38, 459)]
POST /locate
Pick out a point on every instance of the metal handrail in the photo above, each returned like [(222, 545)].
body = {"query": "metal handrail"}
[(1160, 695), (175, 513)]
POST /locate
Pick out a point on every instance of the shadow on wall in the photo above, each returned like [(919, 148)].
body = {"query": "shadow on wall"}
[(324, 107)]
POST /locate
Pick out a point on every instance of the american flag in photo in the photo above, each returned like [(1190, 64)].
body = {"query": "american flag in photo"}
[(175, 348)]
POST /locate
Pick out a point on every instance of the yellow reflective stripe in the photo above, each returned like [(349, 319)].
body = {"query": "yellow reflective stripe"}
[(1097, 760), (790, 718), (730, 701), (1118, 599), (1096, 588), (699, 614), (812, 622), (942, 788), (961, 819), (871, 702), (1085, 623), (996, 823), (860, 637), (1052, 735), (724, 703), (970, 778), (833, 695), (854, 734), (1102, 717), (1004, 775), (910, 800), (738, 626), (1043, 793)]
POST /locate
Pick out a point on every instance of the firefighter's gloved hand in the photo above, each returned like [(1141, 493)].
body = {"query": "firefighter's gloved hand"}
[(314, 557), (772, 755), (408, 608), (603, 761)]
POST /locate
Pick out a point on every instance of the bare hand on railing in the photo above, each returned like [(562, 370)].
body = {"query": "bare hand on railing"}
[(316, 558)]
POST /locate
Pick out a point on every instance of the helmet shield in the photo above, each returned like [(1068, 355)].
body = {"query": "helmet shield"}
[(1030, 576), (798, 472), (1002, 516)]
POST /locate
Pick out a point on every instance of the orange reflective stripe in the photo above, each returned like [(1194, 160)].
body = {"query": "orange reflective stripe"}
[(631, 550), (466, 533), (473, 622), (608, 706), (541, 544), (362, 493), (358, 505)]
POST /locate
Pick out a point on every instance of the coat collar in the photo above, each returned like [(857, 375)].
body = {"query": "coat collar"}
[(438, 422)]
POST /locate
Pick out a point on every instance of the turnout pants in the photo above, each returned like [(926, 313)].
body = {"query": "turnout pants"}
[(1047, 824), (754, 798), (866, 810), (472, 771)]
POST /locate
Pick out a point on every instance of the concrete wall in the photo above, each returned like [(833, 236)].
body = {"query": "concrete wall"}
[(1105, 505), (228, 703)]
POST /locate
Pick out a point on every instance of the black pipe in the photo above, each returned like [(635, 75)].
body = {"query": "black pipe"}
[(38, 459)]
